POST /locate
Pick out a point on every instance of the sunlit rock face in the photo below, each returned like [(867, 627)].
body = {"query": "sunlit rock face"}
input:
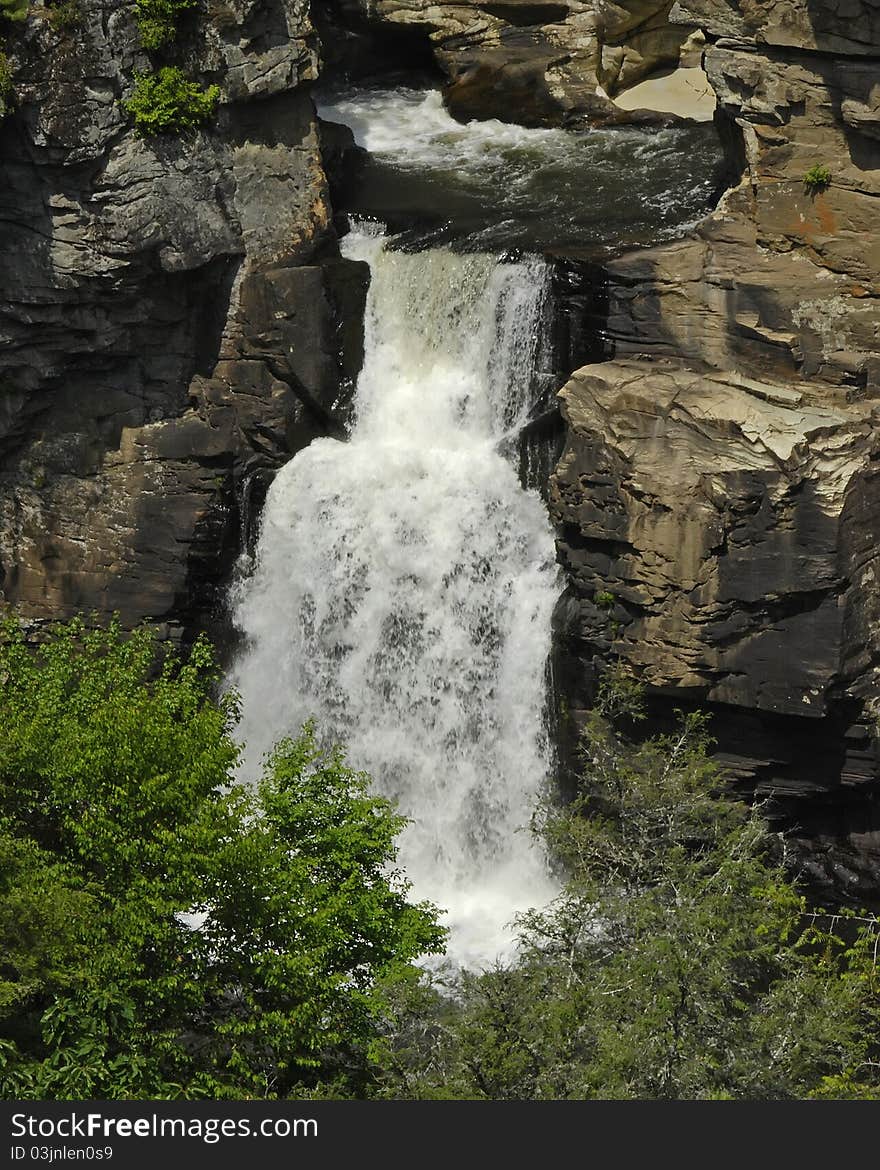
[(720, 475), (169, 329), (713, 507), (536, 62)]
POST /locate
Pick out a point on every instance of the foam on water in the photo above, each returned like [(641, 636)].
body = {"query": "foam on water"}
[(404, 583)]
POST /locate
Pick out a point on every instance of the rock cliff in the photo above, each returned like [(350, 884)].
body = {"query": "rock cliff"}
[(174, 315), (176, 321), (718, 493), (538, 62)]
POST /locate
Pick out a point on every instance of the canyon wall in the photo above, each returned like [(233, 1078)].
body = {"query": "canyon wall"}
[(537, 62), (176, 322), (174, 314), (718, 501)]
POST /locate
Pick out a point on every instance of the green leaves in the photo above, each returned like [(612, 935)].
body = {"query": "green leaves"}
[(158, 20), (165, 102), (679, 961), (167, 930), (816, 179), (15, 10)]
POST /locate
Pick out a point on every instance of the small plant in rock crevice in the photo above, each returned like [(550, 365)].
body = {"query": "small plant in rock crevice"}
[(14, 9), (167, 102), (817, 178), (7, 93), (158, 20), (64, 15)]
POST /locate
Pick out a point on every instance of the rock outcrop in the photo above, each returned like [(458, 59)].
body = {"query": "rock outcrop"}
[(719, 491), (174, 316), (538, 62)]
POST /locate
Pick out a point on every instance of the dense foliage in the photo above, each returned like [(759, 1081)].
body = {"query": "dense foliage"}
[(14, 9), (817, 178), (678, 962), (164, 930), (166, 102), (158, 20), (168, 931)]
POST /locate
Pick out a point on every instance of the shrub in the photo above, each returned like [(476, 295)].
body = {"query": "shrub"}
[(166, 102), (14, 9), (678, 962), (166, 931), (64, 15), (817, 178), (157, 20), (6, 93)]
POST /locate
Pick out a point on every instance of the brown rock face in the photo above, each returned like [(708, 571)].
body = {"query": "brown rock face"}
[(720, 477), (712, 507), (536, 62), (851, 27), (172, 310)]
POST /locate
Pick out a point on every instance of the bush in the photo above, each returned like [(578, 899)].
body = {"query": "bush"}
[(64, 14), (14, 9), (817, 178), (6, 90), (679, 961), (157, 20), (166, 102)]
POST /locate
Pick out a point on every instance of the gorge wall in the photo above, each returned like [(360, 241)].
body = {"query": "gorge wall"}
[(174, 313), (719, 492), (537, 62), (177, 321)]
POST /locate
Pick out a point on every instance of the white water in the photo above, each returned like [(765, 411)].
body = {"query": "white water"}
[(414, 127), (404, 584), (517, 184)]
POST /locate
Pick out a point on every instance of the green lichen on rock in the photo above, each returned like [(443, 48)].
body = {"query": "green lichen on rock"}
[(166, 102), (158, 19)]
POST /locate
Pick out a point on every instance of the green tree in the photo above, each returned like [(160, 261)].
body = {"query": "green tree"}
[(167, 930), (678, 962), (16, 10)]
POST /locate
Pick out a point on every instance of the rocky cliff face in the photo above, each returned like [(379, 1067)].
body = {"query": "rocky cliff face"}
[(719, 493), (177, 321), (537, 62), (174, 312)]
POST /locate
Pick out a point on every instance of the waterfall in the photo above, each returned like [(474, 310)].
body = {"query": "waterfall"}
[(404, 583)]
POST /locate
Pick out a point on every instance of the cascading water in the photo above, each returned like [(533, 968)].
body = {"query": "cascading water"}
[(498, 185), (404, 583)]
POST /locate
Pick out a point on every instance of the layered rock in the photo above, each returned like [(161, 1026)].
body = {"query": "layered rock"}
[(720, 484), (537, 62), (172, 311)]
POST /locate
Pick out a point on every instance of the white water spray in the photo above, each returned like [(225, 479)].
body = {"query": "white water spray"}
[(404, 585)]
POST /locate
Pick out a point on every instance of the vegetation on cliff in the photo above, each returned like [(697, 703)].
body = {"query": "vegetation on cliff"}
[(158, 20), (166, 102)]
